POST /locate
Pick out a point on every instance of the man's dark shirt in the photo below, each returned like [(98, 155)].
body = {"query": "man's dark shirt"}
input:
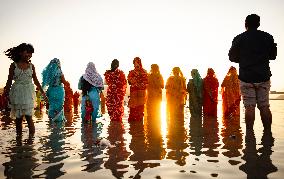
[(252, 50)]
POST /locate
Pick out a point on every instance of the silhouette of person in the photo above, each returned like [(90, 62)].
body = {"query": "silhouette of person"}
[(195, 133), (90, 134), (253, 49), (118, 153), (210, 135), (154, 91), (23, 158), (138, 147), (175, 93), (232, 136), (258, 165), (177, 140), (195, 92)]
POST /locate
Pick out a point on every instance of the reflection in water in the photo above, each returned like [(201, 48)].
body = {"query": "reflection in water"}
[(138, 146), (159, 147), (69, 123), (53, 151), (177, 138), (6, 121), (38, 113), (211, 137), (90, 151), (232, 136), (153, 134), (195, 135), (258, 165), (118, 153), (22, 158)]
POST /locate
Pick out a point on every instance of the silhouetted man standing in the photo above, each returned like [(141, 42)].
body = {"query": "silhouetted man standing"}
[(253, 49)]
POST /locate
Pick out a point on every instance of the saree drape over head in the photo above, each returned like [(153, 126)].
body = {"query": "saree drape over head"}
[(210, 94), (231, 95), (138, 80)]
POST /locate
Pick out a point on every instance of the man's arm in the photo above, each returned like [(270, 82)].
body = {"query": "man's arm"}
[(273, 52), (234, 52)]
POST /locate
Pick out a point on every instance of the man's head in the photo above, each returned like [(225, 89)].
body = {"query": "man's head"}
[(252, 21)]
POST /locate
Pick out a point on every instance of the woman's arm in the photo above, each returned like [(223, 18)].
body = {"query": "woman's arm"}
[(10, 79)]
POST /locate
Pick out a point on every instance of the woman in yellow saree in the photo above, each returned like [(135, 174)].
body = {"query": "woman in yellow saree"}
[(154, 90), (175, 92)]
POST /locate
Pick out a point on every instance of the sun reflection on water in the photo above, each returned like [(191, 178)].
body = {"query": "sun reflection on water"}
[(164, 119)]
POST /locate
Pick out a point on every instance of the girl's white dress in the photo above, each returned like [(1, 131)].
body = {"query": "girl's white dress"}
[(22, 93)]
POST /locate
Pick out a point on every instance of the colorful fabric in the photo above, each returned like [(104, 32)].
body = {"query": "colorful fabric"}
[(231, 96), (116, 90), (94, 96), (210, 93), (55, 95), (175, 91), (68, 101), (92, 76), (195, 92), (51, 76), (89, 110), (154, 91), (39, 101), (76, 96), (103, 103), (138, 80), (22, 94)]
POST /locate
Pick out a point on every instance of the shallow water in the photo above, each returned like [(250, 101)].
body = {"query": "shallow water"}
[(214, 148)]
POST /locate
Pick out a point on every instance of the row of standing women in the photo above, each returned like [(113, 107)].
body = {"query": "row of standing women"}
[(146, 88), (201, 92)]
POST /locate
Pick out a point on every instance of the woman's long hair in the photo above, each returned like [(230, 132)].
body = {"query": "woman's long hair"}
[(86, 87), (14, 52)]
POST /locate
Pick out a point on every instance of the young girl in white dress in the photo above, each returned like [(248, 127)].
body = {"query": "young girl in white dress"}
[(22, 92)]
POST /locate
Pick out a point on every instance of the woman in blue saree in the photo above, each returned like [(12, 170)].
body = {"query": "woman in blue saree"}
[(91, 84), (53, 78)]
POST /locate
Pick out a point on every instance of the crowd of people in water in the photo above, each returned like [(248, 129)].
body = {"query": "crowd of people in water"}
[(252, 50), (145, 91)]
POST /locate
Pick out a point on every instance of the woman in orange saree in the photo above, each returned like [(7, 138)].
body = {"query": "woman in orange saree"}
[(116, 81), (210, 93), (138, 80), (68, 99), (231, 96)]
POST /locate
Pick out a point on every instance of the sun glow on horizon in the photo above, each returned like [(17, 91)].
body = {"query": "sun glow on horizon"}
[(187, 34)]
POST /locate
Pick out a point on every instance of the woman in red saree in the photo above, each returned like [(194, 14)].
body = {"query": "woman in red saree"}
[(76, 96), (154, 90), (231, 96), (210, 93), (138, 80), (68, 99), (116, 81)]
